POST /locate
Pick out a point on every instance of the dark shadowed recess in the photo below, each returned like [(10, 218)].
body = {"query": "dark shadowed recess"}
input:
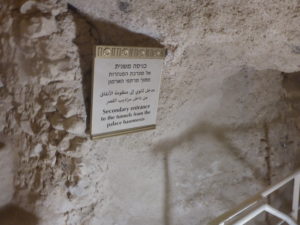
[(91, 32), (14, 215), (291, 85), (2, 145)]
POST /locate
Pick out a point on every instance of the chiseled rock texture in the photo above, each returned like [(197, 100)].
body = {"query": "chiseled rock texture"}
[(43, 116), (228, 118)]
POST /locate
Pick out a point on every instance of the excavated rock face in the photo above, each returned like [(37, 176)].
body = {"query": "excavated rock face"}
[(228, 118), (43, 115)]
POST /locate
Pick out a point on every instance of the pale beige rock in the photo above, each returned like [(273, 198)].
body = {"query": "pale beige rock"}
[(57, 121), (74, 125), (36, 150)]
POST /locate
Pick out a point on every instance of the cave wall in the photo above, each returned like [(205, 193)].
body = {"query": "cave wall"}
[(227, 126)]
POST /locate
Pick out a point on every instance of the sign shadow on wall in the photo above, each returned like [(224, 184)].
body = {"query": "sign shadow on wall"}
[(219, 133), (91, 32)]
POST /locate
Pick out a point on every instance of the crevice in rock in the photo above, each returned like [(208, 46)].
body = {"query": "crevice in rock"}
[(268, 155)]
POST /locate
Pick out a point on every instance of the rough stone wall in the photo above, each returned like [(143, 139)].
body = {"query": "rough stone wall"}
[(43, 115), (228, 122)]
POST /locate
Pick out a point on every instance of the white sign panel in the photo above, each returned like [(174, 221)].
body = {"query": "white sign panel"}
[(125, 92)]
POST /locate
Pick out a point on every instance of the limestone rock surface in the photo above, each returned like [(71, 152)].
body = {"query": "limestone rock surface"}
[(228, 116)]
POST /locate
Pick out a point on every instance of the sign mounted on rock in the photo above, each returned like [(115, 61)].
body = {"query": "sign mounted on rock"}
[(125, 89)]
